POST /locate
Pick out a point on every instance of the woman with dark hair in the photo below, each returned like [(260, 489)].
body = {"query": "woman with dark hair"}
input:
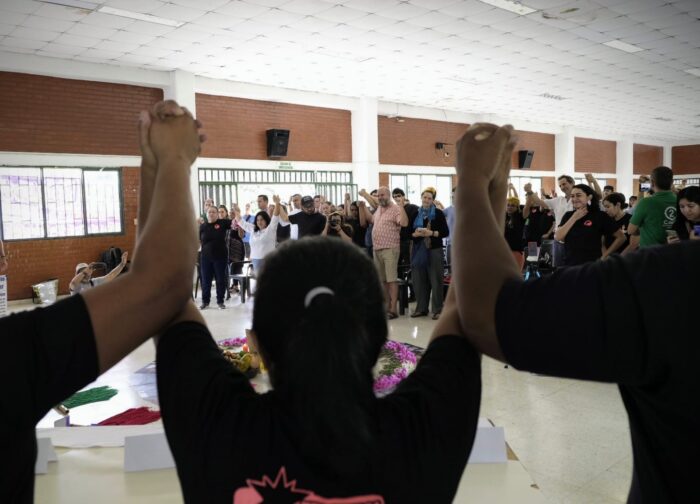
[(263, 234), (429, 228), (321, 435), (615, 205), (515, 227), (356, 219), (214, 256), (688, 214), (223, 212), (583, 229)]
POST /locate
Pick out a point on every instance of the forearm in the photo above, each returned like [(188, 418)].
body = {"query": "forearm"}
[(614, 246), (634, 245), (488, 265), (147, 186), (345, 237), (562, 231), (160, 283), (403, 219)]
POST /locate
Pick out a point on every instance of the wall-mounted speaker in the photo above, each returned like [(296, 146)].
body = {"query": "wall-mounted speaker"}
[(277, 142), (525, 158)]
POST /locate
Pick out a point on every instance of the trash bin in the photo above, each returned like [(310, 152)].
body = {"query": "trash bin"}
[(44, 293)]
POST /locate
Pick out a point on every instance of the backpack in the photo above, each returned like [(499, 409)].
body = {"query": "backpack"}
[(111, 257)]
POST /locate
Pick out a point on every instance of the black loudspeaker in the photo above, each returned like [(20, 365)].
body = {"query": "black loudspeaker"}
[(277, 142), (525, 158)]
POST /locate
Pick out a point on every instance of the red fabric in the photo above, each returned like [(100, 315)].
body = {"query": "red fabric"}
[(133, 416)]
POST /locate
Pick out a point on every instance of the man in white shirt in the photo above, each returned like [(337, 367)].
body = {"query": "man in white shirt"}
[(559, 205)]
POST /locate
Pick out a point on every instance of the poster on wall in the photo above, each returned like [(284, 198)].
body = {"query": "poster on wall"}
[(3, 295)]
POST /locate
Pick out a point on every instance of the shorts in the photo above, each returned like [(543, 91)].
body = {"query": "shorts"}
[(387, 261)]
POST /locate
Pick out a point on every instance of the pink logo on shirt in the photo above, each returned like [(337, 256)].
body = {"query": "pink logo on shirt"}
[(282, 490), (588, 223)]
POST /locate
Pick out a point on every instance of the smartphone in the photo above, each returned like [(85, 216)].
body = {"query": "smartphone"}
[(645, 187), (671, 233), (696, 228)]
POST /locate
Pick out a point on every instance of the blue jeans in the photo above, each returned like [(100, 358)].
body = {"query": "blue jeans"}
[(214, 268)]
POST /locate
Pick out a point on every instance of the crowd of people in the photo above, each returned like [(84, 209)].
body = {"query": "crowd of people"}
[(587, 224), (320, 321)]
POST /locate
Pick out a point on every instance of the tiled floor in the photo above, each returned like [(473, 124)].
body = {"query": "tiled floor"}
[(571, 436)]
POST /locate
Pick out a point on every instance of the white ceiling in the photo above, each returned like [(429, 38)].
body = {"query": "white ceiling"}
[(460, 55)]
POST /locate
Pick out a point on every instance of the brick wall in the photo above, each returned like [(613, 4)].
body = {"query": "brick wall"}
[(646, 158), (541, 143), (236, 129), (412, 142), (685, 159), (31, 261), (595, 156), (47, 114)]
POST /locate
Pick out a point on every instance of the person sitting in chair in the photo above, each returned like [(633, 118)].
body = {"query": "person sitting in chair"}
[(83, 275)]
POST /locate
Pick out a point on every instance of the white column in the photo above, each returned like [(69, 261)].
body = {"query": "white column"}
[(365, 143), (668, 152), (564, 150), (625, 166), (181, 89)]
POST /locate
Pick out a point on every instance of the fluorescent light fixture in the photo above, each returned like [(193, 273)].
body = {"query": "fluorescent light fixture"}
[(511, 5), (78, 4), (623, 46), (694, 71), (138, 16)]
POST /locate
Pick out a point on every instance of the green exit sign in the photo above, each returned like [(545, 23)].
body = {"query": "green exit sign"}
[(285, 165)]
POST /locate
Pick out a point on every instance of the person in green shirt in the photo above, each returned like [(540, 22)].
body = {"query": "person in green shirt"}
[(655, 215)]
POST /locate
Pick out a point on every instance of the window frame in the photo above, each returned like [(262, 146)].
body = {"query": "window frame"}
[(120, 188)]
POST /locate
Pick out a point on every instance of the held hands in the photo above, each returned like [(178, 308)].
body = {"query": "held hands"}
[(276, 199), (347, 196), (482, 149), (528, 187), (125, 256), (173, 132), (589, 177), (422, 233)]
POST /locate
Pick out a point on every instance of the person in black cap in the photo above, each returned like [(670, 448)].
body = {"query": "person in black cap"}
[(308, 221)]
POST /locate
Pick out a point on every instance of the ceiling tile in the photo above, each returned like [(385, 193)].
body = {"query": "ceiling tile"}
[(340, 14), (75, 40), (146, 28), (42, 23), (59, 12), (142, 6), (84, 30), (31, 34), (178, 13), (131, 37), (107, 20), (403, 11), (13, 18)]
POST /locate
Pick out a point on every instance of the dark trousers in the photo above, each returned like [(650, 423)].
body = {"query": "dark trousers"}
[(429, 281), (214, 268)]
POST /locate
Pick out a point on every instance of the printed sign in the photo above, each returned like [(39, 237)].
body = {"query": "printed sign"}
[(3, 295)]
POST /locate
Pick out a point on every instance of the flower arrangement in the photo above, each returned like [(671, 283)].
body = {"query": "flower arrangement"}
[(396, 361)]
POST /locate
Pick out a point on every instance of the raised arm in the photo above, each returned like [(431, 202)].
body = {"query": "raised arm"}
[(594, 184), (346, 206), (370, 199), (512, 191), (158, 285), (365, 214), (118, 268), (483, 165)]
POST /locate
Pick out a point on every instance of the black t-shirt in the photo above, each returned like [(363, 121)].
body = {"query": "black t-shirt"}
[(631, 321), (213, 239), (538, 222), (358, 232), (515, 226), (49, 353), (583, 243), (224, 437), (309, 224), (411, 212), (623, 223)]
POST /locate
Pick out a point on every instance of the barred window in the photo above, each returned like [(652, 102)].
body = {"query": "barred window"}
[(37, 202)]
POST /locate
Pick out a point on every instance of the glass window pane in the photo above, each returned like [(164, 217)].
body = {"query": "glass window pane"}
[(102, 201), (444, 190), (413, 189), (63, 200), (20, 197)]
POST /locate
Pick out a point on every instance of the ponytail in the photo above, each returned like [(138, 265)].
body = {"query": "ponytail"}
[(330, 399)]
